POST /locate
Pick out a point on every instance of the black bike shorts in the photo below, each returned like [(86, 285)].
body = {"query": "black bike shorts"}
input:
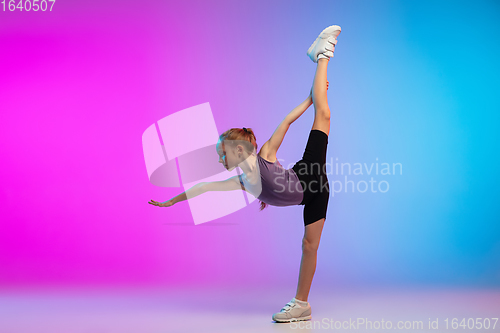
[(311, 171)]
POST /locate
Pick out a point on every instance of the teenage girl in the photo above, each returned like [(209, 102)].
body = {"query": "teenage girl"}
[(266, 179)]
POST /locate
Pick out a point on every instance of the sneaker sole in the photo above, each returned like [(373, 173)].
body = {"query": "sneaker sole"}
[(292, 319), (325, 34)]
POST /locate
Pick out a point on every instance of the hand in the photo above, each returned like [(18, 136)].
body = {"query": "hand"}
[(311, 92), (161, 204)]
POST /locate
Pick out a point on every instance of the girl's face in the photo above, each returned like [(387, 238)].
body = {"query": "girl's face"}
[(227, 156)]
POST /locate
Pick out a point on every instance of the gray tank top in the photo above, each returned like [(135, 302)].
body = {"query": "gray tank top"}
[(277, 187)]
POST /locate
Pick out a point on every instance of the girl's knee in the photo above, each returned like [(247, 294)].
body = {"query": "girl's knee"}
[(323, 112), (309, 247)]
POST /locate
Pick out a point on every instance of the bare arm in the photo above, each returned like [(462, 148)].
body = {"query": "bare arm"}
[(299, 110), (229, 184), (270, 148)]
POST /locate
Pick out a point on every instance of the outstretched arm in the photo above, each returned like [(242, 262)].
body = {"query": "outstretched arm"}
[(229, 184)]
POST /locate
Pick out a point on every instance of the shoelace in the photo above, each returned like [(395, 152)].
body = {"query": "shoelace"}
[(288, 306)]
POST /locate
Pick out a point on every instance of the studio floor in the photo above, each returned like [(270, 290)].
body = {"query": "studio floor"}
[(232, 310)]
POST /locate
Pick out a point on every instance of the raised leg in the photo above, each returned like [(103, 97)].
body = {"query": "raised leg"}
[(310, 244), (320, 101)]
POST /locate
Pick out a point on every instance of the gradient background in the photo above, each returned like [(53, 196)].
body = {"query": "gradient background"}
[(412, 82)]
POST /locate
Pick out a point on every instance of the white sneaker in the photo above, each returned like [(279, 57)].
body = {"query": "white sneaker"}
[(293, 311), (324, 45)]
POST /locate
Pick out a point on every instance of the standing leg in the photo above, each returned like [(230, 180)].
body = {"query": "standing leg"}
[(321, 108), (310, 244)]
